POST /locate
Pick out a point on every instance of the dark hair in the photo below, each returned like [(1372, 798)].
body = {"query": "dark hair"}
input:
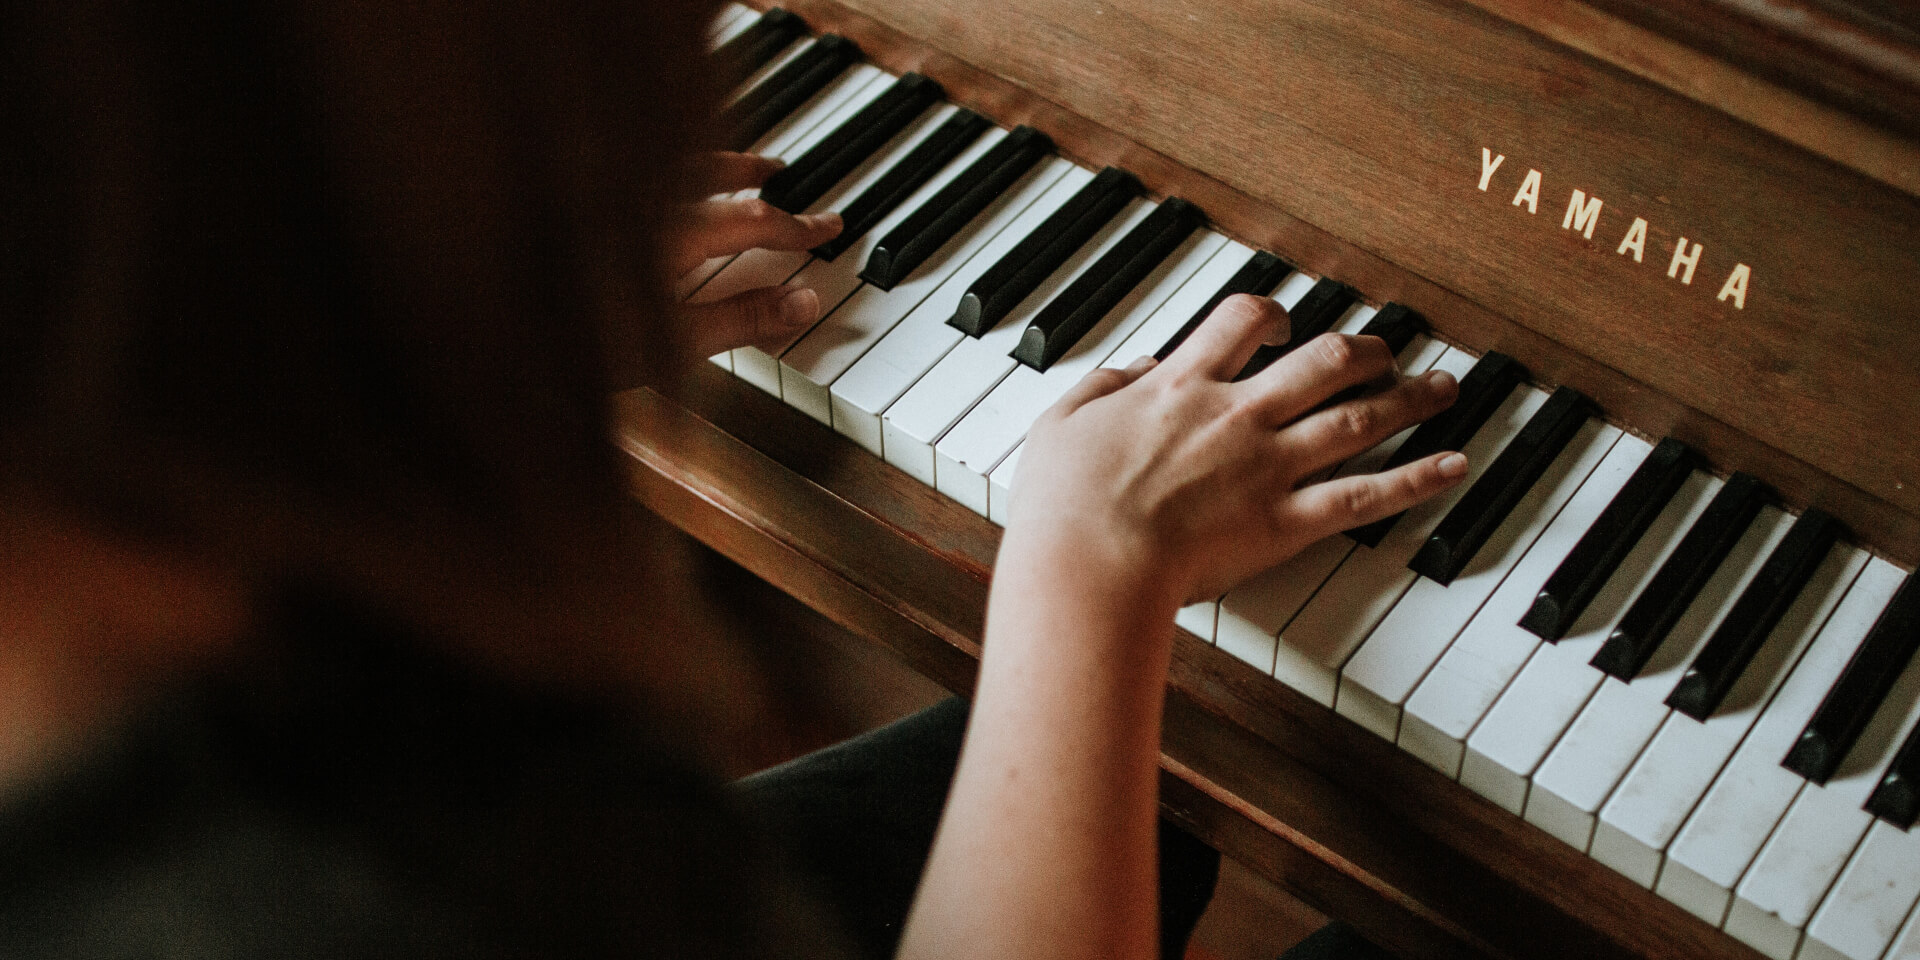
[(338, 290)]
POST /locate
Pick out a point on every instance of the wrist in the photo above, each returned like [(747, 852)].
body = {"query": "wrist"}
[(1097, 573)]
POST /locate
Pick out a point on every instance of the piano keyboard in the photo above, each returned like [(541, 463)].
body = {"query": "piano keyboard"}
[(1714, 698)]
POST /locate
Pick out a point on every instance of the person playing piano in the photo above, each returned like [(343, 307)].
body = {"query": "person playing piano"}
[(327, 627)]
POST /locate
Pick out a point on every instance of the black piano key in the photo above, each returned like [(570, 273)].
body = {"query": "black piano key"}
[(1065, 319), (1315, 314), (756, 46), (1738, 637), (796, 186), (1258, 276), (910, 173), (1863, 684), (1485, 505), (759, 109), (1645, 624), (1482, 391), (928, 228), (1395, 323), (1897, 797), (995, 293), (1565, 595)]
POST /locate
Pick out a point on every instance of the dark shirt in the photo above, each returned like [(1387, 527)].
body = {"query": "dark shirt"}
[(343, 790)]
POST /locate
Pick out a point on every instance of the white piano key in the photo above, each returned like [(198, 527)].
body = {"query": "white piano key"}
[(1811, 949), (1750, 796), (1682, 759), (1627, 857), (808, 370), (1621, 719), (807, 125), (1292, 288), (1676, 769), (1197, 619), (1762, 931), (732, 20), (1354, 319), (1560, 818), (968, 453), (1589, 760), (1874, 895), (919, 340), (1166, 321), (1693, 892), (1367, 585), (1383, 672), (832, 280), (836, 280), (975, 365), (1908, 946), (768, 69), (1508, 745), (1820, 831), (1252, 614), (1491, 650), (1001, 482), (822, 113)]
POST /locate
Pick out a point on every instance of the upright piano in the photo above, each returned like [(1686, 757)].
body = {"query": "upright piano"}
[(1646, 685)]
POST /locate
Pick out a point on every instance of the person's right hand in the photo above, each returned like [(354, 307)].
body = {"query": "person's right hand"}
[(722, 225), (1173, 477)]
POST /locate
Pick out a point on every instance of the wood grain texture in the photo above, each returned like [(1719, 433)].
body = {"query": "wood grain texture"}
[(1346, 137), (1872, 136), (1861, 57), (1311, 801)]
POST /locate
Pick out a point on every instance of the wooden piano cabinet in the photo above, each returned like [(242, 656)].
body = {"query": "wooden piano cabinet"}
[(1347, 137), (1278, 782), (1447, 154)]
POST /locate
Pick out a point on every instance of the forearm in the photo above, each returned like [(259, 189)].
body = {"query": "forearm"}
[(1047, 845), (1140, 488)]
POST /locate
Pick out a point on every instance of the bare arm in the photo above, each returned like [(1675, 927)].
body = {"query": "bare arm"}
[(1140, 490)]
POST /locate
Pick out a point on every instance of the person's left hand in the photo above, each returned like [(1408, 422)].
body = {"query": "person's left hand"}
[(723, 225), (1177, 477)]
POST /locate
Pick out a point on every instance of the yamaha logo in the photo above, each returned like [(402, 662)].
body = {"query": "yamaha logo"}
[(1583, 216)]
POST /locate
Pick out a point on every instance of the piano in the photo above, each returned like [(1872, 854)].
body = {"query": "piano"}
[(1645, 686)]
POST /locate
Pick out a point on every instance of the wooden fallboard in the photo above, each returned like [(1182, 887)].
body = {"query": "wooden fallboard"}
[(1275, 780), (1353, 137)]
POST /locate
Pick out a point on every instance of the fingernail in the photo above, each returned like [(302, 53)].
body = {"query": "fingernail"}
[(798, 307), (1453, 465), (1441, 382), (816, 220)]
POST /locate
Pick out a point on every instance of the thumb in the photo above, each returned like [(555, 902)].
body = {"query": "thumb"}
[(767, 316)]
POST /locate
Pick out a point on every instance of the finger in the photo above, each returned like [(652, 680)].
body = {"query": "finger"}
[(724, 171), (1320, 368), (1139, 367), (1100, 383), (1349, 502), (763, 317), (1224, 342), (1336, 434), (730, 225)]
